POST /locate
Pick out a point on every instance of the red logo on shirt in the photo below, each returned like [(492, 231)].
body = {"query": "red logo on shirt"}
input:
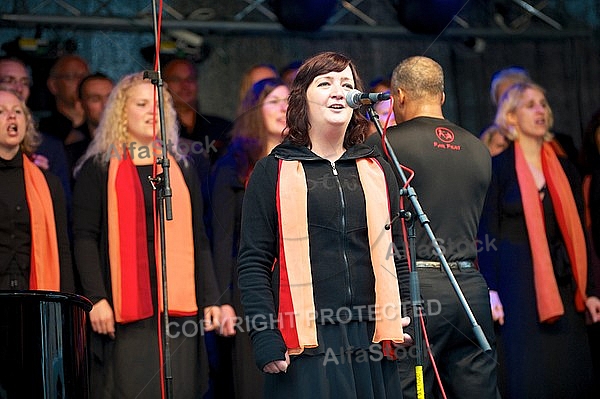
[(446, 137), (444, 134)]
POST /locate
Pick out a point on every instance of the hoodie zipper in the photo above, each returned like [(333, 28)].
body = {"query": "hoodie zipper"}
[(343, 229)]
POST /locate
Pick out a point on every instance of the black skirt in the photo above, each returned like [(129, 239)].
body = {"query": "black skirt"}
[(346, 364)]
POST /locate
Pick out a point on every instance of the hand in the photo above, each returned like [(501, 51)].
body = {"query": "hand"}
[(593, 306), (102, 318), (497, 309), (41, 161), (408, 340), (227, 321), (278, 366), (211, 317)]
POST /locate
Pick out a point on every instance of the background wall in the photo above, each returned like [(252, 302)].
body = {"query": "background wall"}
[(566, 62)]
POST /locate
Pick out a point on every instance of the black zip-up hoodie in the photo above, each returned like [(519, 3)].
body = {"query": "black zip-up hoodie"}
[(339, 248)]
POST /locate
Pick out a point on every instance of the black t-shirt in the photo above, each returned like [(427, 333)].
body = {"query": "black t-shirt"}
[(452, 172)]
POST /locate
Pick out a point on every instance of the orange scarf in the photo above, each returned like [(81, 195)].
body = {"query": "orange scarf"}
[(128, 250), (45, 262), (296, 300), (549, 304)]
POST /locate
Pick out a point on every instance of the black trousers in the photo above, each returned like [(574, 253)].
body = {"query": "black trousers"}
[(466, 371)]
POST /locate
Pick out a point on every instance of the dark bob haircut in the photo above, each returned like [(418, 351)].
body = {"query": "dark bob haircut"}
[(297, 113)]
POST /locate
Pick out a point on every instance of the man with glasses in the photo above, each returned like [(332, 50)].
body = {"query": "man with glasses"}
[(15, 77)]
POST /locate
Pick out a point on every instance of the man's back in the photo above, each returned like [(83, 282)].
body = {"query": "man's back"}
[(452, 173)]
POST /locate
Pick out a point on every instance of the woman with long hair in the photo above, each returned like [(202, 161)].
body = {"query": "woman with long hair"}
[(257, 130), (117, 252)]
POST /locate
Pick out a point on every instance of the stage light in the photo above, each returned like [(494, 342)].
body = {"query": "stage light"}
[(306, 15), (426, 16)]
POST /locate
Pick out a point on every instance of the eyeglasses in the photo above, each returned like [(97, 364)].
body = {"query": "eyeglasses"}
[(12, 81)]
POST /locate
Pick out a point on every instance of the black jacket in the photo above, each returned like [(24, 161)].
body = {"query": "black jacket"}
[(341, 267), (15, 230), (91, 235)]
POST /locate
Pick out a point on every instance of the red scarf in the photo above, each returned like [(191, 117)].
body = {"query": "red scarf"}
[(549, 304), (128, 247), (45, 262), (296, 300)]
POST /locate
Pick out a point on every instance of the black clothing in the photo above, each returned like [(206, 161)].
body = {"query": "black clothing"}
[(342, 275), (135, 350), (15, 229), (91, 240), (53, 149), (212, 132), (535, 359), (451, 176), (75, 150), (594, 202), (451, 179), (226, 193), (56, 125)]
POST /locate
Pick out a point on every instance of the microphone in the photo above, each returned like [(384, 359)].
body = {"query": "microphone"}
[(356, 98)]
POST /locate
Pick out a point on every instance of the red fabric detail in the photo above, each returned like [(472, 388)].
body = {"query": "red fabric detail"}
[(388, 350), (286, 318), (135, 270)]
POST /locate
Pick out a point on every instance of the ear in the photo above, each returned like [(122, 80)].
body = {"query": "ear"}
[(443, 98), (511, 118), (398, 105), (400, 96), (51, 83)]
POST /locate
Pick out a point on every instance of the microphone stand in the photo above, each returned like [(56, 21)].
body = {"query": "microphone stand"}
[(415, 294), (162, 185)]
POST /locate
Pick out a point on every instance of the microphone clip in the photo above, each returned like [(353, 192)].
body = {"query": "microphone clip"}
[(406, 215)]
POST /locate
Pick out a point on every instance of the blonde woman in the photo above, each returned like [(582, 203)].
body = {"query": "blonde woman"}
[(35, 252), (117, 257), (536, 268)]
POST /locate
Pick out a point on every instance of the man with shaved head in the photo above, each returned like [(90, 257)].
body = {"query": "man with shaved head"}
[(211, 131), (62, 82), (452, 172)]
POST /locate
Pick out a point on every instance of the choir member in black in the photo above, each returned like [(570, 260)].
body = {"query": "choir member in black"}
[(118, 258), (34, 246), (451, 176), (257, 130), (537, 267), (319, 289)]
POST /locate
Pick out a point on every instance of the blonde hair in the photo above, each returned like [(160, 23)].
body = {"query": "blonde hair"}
[(488, 134), (32, 138), (510, 101), (112, 130)]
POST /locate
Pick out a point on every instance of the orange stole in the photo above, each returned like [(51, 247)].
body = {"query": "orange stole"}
[(296, 307), (549, 303), (179, 243), (45, 262)]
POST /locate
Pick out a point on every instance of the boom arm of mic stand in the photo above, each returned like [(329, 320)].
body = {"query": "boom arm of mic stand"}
[(412, 196)]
